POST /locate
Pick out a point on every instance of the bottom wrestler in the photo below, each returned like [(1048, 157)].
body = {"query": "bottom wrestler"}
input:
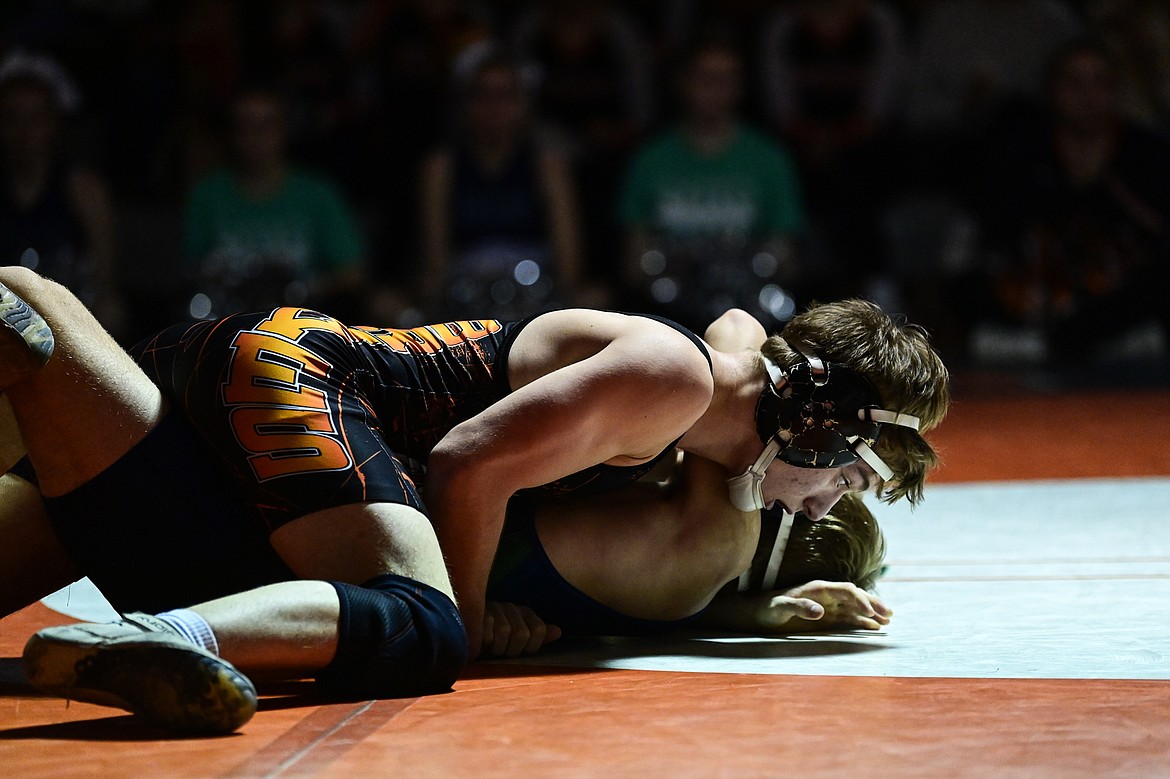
[(646, 561)]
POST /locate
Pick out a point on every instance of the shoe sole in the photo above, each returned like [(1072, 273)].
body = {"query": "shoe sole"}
[(26, 341), (180, 688)]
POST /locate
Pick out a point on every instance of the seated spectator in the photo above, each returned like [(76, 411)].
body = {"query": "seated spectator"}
[(500, 227), (404, 53), (263, 232), (595, 82), (973, 55), (1077, 213), (710, 207), (596, 88), (830, 72), (56, 215), (1137, 35)]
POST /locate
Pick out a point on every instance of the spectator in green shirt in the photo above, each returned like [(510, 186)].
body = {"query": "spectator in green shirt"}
[(264, 233), (710, 207)]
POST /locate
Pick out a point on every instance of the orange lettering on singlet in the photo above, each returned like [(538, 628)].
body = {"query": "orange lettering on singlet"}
[(267, 369), (428, 339), (285, 425), (293, 322), (287, 441)]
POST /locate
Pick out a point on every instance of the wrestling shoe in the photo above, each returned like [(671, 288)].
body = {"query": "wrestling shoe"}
[(141, 665), (26, 342)]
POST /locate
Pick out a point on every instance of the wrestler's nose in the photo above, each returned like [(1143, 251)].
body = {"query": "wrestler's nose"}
[(817, 506)]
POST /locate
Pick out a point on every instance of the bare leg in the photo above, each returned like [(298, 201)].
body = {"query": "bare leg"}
[(32, 562), (89, 404), (289, 630), (74, 416), (282, 631)]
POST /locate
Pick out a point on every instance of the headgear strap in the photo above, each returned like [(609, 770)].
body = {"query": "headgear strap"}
[(817, 415), (772, 571)]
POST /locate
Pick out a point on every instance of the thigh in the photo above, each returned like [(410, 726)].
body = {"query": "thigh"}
[(89, 404), (33, 563), (164, 526), (356, 542)]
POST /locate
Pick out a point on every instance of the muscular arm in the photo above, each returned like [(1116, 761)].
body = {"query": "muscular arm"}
[(656, 553), (625, 391)]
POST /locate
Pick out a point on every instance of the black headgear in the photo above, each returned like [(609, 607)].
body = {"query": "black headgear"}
[(817, 415)]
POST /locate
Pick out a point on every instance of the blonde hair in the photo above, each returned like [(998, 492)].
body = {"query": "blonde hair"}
[(898, 360), (845, 546)]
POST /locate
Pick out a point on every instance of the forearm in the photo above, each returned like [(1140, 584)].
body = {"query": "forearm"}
[(818, 605), (739, 613), (469, 545), (467, 522)]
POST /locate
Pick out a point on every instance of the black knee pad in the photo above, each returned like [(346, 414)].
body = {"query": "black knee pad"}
[(397, 638)]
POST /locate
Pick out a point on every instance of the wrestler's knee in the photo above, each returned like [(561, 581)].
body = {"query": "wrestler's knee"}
[(53, 301), (31, 286), (397, 637)]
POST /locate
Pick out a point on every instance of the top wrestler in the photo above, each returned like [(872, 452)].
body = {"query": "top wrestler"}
[(337, 571), (654, 557)]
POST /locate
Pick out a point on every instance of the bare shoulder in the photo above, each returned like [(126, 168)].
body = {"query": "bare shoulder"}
[(634, 381), (625, 344), (709, 526), (735, 330)]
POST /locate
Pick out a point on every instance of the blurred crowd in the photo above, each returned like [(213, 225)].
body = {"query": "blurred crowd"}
[(998, 170)]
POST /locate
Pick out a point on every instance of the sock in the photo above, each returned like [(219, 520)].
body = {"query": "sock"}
[(192, 627)]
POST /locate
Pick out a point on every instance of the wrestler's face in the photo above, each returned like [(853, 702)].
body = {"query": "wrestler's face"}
[(814, 491)]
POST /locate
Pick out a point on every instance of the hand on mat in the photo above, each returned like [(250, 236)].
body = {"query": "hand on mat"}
[(821, 605), (510, 630)]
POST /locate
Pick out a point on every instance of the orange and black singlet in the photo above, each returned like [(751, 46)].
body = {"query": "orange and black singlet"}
[(307, 413)]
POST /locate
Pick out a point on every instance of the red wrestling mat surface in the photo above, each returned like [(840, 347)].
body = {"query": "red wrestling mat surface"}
[(1094, 434), (510, 721), (527, 721)]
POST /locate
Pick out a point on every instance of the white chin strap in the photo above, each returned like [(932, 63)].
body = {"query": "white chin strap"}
[(772, 571), (747, 489)]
